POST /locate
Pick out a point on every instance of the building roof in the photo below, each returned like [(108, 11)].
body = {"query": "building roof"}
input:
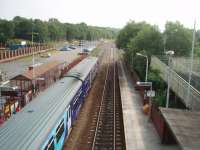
[(28, 129), (39, 71), (184, 125)]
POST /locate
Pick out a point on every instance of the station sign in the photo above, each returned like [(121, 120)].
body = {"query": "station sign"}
[(150, 93), (23, 42)]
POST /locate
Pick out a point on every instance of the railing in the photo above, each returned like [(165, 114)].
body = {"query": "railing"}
[(182, 64), (10, 54), (178, 85)]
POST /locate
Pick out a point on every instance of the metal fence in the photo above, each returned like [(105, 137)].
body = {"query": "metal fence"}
[(10, 54), (181, 65), (178, 84)]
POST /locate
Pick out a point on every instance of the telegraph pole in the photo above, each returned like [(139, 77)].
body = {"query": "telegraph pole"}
[(191, 64)]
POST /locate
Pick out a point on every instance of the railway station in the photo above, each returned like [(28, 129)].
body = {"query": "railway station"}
[(99, 75), (118, 119)]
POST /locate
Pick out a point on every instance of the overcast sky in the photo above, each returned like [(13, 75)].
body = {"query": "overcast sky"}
[(110, 13)]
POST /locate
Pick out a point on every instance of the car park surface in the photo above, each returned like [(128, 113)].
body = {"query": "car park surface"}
[(13, 68)]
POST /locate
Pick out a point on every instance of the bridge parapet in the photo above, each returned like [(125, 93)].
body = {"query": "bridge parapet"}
[(178, 84)]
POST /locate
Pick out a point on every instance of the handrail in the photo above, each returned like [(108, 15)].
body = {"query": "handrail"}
[(179, 85)]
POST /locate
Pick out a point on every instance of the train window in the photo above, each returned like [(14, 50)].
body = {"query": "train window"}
[(46, 147), (76, 98), (50, 145), (59, 131), (76, 106)]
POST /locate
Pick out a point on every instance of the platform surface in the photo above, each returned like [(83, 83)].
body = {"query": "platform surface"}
[(185, 126), (140, 133)]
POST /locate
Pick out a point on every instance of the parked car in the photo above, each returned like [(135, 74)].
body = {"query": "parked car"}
[(45, 55), (72, 47), (86, 50), (65, 48)]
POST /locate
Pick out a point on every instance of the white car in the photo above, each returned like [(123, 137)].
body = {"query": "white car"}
[(45, 55)]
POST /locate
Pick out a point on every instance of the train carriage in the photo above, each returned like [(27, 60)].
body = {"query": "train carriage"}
[(45, 122)]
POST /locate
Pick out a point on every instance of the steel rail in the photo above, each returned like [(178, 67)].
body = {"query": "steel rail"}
[(102, 99), (114, 100)]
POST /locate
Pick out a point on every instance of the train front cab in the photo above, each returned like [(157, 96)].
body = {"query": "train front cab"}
[(56, 138)]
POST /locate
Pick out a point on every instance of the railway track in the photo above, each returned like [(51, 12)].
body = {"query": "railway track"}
[(100, 123), (108, 133)]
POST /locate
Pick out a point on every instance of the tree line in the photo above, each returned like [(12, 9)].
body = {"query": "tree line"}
[(142, 36), (51, 30), (149, 40)]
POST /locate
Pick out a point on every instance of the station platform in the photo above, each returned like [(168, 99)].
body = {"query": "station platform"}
[(140, 133)]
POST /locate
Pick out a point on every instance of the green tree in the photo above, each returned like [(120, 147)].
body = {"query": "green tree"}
[(41, 28), (197, 45), (53, 28), (140, 37), (149, 39), (6, 30), (159, 86), (128, 32), (178, 38), (23, 28)]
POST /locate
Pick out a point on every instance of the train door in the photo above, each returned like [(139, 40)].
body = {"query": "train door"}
[(87, 85), (60, 135), (49, 144), (68, 119), (82, 94), (74, 106), (73, 112)]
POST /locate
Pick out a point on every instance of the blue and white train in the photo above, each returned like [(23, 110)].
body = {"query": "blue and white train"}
[(45, 122)]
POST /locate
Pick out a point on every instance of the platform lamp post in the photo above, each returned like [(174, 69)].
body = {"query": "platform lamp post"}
[(170, 54), (147, 64)]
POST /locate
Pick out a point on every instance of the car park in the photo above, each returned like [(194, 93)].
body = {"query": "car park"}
[(72, 47), (66, 48)]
